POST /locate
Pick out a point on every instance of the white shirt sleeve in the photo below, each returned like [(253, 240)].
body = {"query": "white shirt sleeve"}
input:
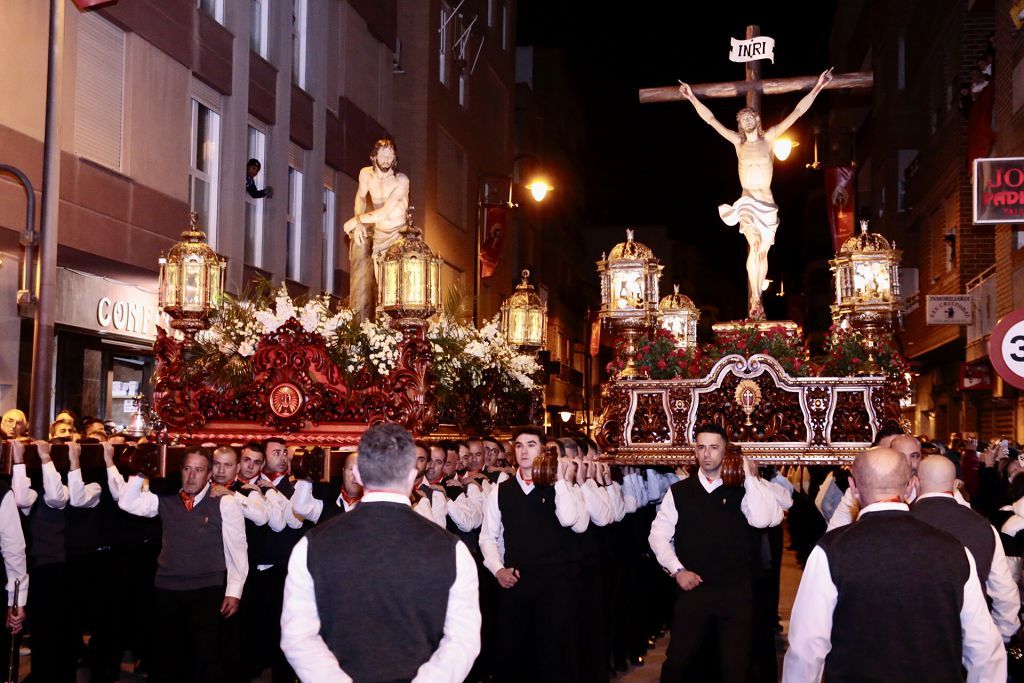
[(236, 556), (115, 482), (24, 495), (810, 626), (845, 512), (783, 494), (615, 499), (1004, 593), (278, 509), (466, 513), (82, 495), (629, 498), (12, 545), (301, 643), (138, 502), (582, 516), (983, 653), (460, 644), (439, 508), (304, 504), (253, 505), (491, 534), (597, 503), (662, 536), (759, 504), (55, 493), (567, 507)]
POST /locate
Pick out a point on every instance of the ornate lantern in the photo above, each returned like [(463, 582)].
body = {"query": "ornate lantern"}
[(867, 274), (191, 284), (679, 316), (524, 320), (629, 293), (409, 287)]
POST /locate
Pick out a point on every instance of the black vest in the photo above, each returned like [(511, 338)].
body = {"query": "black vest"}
[(192, 556), (275, 547), (252, 529), (963, 524), (897, 617), (535, 541), (713, 538), (329, 494), (44, 530), (381, 576)]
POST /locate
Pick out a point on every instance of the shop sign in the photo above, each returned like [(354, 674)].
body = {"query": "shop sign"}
[(949, 309), (999, 190), (107, 306)]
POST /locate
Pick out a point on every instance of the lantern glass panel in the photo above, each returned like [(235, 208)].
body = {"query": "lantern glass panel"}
[(414, 286), (871, 281), (192, 289), (628, 289), (517, 326), (215, 272), (170, 285), (434, 280), (535, 329), (390, 284)]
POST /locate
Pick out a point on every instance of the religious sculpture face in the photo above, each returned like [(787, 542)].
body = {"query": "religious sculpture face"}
[(749, 121), (384, 158)]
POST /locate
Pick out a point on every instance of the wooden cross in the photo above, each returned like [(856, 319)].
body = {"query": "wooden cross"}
[(754, 86)]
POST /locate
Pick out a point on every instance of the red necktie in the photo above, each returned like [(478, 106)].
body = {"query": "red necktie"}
[(187, 500), (528, 482)]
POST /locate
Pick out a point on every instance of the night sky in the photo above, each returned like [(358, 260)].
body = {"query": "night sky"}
[(659, 164)]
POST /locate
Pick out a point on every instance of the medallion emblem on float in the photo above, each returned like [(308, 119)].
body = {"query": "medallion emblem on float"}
[(286, 399)]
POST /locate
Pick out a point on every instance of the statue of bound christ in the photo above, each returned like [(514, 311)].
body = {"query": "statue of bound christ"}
[(755, 211)]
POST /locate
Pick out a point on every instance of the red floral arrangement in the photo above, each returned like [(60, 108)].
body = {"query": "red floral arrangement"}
[(846, 355)]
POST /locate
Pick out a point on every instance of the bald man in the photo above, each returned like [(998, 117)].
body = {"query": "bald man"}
[(890, 598), (936, 506), (847, 510)]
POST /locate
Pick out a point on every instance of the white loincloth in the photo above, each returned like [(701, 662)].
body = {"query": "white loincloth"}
[(749, 211)]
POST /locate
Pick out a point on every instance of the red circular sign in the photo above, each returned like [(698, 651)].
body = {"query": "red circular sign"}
[(286, 399), (1006, 348)]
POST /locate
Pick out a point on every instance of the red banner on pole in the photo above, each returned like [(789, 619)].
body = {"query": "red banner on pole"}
[(839, 190), (87, 4), (595, 334), (495, 224)]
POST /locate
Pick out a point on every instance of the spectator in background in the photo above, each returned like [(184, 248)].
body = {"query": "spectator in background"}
[(252, 169)]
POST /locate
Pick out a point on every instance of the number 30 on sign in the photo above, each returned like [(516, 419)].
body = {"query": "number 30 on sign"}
[(1006, 348)]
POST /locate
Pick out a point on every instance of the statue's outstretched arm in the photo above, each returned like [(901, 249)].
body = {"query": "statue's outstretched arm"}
[(705, 113), (801, 107)]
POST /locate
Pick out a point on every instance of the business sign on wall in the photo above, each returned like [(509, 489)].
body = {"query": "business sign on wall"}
[(999, 190), (106, 306)]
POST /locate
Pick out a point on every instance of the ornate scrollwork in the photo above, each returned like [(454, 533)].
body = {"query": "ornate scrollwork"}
[(615, 402), (818, 400), (650, 422), (778, 416), (850, 421)]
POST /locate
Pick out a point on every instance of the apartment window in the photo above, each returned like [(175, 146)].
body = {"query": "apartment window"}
[(99, 92), (299, 42), (205, 162), (1018, 239), (293, 266), (949, 242), (464, 90), (214, 8), (492, 12), (329, 230), (504, 28), (258, 30), (901, 61), (446, 34), (451, 180), (254, 208)]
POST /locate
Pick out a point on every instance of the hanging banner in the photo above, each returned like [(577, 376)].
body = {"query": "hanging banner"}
[(595, 334), (839, 190), (494, 226), (752, 50), (999, 190)]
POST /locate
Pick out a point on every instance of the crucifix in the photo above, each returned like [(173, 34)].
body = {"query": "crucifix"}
[(755, 211)]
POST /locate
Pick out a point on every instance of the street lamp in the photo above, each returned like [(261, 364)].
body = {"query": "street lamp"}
[(191, 281), (410, 287), (782, 147)]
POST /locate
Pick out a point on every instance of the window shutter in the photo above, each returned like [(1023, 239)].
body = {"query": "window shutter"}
[(99, 91)]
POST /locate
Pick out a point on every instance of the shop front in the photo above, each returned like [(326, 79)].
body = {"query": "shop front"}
[(104, 336)]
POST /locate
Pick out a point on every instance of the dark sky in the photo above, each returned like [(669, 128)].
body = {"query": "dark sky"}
[(659, 163)]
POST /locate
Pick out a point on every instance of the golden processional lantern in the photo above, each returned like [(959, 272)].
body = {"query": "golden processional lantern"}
[(867, 275), (191, 283), (524, 321), (677, 314), (409, 287), (629, 294)]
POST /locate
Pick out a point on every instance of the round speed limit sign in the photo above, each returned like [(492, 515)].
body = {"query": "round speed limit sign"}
[(1006, 348)]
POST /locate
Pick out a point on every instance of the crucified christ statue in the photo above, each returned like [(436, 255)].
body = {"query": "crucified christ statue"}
[(755, 210)]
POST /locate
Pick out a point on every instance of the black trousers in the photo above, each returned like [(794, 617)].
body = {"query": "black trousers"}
[(592, 645), (268, 591), (53, 644), (188, 646), (536, 630), (728, 610)]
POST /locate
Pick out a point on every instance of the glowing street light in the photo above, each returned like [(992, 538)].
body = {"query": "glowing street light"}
[(782, 147), (539, 188)]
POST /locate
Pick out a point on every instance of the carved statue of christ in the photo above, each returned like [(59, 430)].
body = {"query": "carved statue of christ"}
[(755, 211)]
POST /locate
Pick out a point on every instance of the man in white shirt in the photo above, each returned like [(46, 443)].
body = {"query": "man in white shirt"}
[(381, 593), (203, 539), (15, 566), (704, 536), (890, 598), (525, 541)]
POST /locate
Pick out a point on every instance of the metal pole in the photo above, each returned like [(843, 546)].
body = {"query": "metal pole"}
[(46, 282), (28, 238), (477, 266)]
